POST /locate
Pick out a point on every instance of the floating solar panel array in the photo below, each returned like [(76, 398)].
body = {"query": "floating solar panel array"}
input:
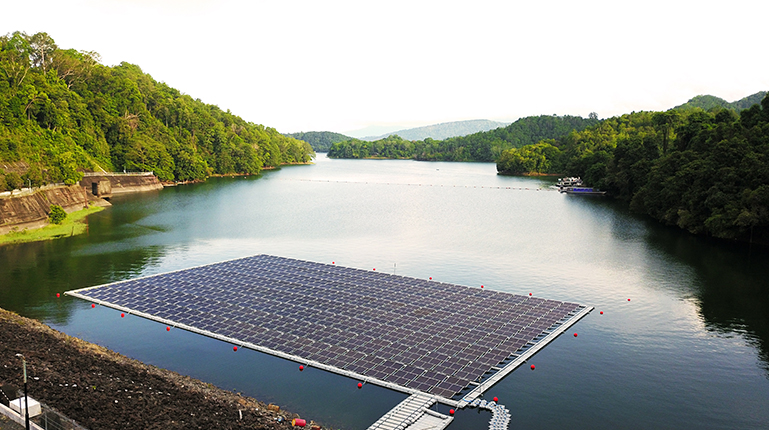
[(424, 335)]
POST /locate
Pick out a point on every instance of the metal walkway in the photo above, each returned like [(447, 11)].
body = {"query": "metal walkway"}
[(413, 414)]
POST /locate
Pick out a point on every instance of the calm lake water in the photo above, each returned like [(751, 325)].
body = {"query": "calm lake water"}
[(690, 350)]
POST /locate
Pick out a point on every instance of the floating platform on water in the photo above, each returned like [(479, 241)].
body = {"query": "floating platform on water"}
[(446, 341)]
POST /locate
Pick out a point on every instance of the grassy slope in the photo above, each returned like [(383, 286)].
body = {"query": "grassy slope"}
[(72, 225)]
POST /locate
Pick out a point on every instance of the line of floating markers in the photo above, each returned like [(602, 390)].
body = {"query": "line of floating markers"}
[(491, 187)]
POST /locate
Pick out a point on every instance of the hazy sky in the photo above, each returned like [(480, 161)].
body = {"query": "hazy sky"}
[(345, 65)]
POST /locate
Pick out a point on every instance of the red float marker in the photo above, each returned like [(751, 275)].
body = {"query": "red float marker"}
[(496, 399), (93, 305), (374, 269), (122, 315), (451, 411), (360, 385), (532, 367), (58, 295), (529, 294), (481, 286), (234, 348), (601, 312), (333, 262), (431, 278), (168, 328), (301, 368), (628, 299), (575, 334)]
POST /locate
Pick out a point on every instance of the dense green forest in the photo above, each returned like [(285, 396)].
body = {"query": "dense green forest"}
[(62, 112), (706, 171), (706, 102), (320, 141), (481, 146)]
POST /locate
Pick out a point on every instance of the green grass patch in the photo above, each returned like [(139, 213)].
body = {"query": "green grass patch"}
[(71, 226)]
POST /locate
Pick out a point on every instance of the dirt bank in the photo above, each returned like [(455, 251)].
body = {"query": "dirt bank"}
[(101, 389)]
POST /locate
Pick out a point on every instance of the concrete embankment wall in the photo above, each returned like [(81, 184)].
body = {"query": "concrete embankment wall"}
[(121, 183), (31, 211), (28, 209)]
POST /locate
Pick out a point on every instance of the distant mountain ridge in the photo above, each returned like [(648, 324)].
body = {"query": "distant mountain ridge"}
[(443, 130), (479, 146), (706, 102)]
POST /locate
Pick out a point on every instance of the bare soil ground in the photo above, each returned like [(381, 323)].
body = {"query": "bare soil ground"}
[(101, 389)]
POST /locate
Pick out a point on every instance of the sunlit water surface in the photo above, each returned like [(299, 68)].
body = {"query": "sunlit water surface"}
[(688, 351)]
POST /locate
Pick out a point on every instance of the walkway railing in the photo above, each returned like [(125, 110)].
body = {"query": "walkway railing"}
[(87, 174)]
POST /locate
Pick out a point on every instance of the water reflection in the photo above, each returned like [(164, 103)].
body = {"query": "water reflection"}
[(33, 273), (657, 361), (728, 283)]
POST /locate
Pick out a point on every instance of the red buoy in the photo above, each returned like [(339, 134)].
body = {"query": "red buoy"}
[(93, 305), (532, 367), (529, 293), (58, 295), (374, 269), (301, 367), (496, 399), (481, 286), (628, 299), (122, 315), (575, 334), (234, 348), (601, 312), (333, 262), (431, 278), (360, 385), (451, 411), (168, 328)]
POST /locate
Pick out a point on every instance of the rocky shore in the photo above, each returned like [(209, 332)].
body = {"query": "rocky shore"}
[(101, 389)]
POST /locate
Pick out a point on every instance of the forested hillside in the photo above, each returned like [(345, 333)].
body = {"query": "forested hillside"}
[(320, 141), (703, 171), (482, 146), (62, 112), (712, 102)]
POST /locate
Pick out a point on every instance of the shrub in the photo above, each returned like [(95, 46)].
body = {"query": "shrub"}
[(57, 214), (14, 181)]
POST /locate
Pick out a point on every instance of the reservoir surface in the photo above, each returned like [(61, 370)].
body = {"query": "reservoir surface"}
[(682, 343)]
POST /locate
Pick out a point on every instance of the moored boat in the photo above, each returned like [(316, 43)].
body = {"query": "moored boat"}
[(587, 191), (569, 182)]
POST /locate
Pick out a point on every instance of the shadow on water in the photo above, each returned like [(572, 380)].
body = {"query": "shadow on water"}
[(733, 297), (732, 290)]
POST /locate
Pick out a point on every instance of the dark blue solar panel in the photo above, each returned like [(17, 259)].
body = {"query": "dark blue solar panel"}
[(431, 336)]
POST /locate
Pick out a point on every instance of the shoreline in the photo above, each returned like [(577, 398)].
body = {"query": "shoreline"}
[(74, 224), (101, 389), (231, 175)]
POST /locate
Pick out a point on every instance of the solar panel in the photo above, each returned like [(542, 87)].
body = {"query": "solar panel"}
[(424, 335)]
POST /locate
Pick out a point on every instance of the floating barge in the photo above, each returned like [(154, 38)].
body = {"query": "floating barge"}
[(585, 191)]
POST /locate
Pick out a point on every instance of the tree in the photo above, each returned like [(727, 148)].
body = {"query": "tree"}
[(667, 122), (42, 48), (13, 180), (56, 214)]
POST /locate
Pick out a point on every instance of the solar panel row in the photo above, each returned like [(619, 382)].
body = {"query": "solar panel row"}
[(430, 336)]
